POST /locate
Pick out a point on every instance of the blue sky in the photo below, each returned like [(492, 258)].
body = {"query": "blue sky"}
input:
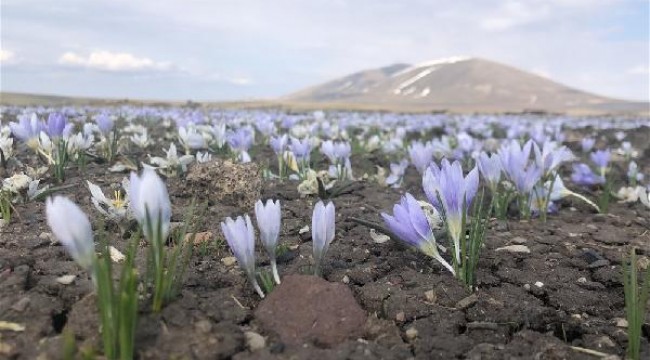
[(225, 50)]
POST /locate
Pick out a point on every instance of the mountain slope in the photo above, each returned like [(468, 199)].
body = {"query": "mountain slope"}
[(459, 84)]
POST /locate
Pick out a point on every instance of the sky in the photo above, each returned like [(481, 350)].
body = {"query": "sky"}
[(260, 49)]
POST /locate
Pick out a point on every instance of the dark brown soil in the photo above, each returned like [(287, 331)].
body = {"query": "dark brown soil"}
[(567, 292)]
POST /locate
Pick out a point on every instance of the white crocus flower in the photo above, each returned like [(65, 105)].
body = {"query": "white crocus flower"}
[(170, 164), (141, 139), (203, 157), (115, 208), (191, 139), (33, 191), (72, 228), (16, 183)]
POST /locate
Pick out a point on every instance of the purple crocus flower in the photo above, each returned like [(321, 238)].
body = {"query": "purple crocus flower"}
[(104, 123), (456, 193), (587, 144), (240, 236), (336, 151), (57, 125), (397, 171), (601, 159), (421, 155), (279, 144), (490, 167), (27, 129), (551, 156), (583, 175), (301, 149), (240, 141), (409, 224)]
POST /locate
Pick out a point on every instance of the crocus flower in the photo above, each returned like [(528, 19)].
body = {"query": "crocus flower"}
[(587, 144), (322, 231), (57, 125), (27, 129), (150, 204), (336, 151), (104, 123), (397, 171), (455, 193), (268, 220), (551, 156), (240, 236), (301, 149), (240, 141), (279, 144), (583, 175), (490, 167), (633, 173), (421, 155), (72, 228), (601, 159), (410, 224)]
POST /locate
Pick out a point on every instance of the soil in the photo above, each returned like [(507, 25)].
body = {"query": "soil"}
[(563, 296)]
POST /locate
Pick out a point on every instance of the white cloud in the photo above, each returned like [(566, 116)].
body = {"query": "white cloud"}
[(6, 55), (639, 70), (241, 81), (113, 61)]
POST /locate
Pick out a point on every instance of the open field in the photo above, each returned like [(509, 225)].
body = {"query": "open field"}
[(548, 281)]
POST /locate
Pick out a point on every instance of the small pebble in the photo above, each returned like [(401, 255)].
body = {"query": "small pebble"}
[(539, 284), (203, 326), (21, 305), (598, 263), (523, 249), (346, 279), (411, 333), (254, 341), (519, 240), (66, 279), (467, 302), (229, 260), (400, 316), (431, 296), (622, 323)]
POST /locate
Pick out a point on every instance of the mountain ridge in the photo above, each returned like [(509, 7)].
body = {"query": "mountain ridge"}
[(460, 84)]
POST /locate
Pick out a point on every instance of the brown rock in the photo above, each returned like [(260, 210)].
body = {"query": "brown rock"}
[(309, 309), (224, 182)]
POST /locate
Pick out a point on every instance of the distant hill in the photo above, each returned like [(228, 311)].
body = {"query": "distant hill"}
[(460, 84)]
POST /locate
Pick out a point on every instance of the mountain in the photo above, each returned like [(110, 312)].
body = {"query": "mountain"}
[(460, 84)]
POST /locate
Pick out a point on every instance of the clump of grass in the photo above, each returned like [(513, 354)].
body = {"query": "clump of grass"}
[(636, 287)]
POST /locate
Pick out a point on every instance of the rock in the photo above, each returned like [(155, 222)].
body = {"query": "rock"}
[(254, 341), (378, 238), (66, 279), (411, 333), (21, 304), (199, 238), (309, 309), (467, 302), (203, 326), (223, 182), (116, 255), (45, 236), (620, 322), (598, 263), (431, 296), (400, 316), (229, 260), (519, 240), (522, 249), (346, 279), (539, 284)]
